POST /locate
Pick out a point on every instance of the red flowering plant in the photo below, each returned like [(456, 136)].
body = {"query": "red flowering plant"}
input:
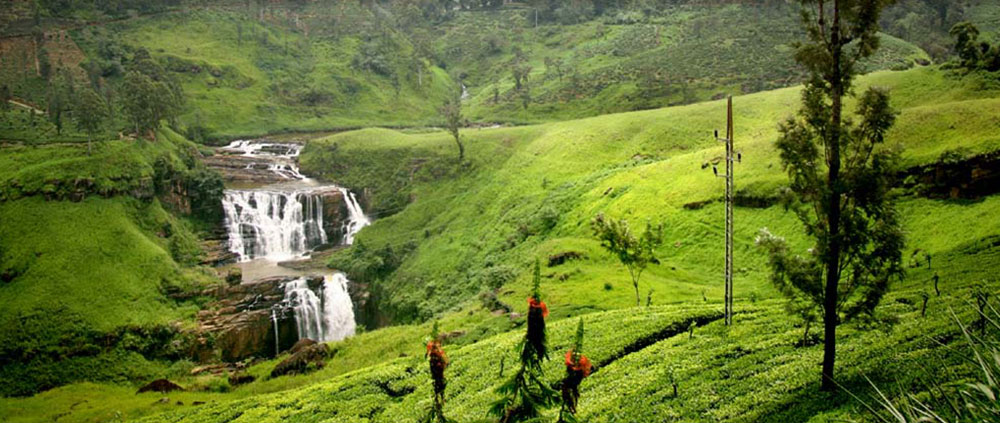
[(525, 394), (438, 362), (577, 367)]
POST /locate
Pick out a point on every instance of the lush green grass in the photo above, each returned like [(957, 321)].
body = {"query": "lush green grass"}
[(531, 192), (85, 283), (242, 77), (755, 371)]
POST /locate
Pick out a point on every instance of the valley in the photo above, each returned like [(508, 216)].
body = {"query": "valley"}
[(319, 199)]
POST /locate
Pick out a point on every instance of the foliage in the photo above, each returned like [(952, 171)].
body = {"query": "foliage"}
[(973, 53), (104, 263), (977, 400), (452, 113), (577, 367), (525, 395), (634, 252), (90, 114), (839, 177), (147, 102)]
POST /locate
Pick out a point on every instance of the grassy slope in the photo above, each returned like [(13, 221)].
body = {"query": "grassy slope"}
[(679, 55), (100, 265), (641, 166), (244, 77), (246, 96), (719, 373)]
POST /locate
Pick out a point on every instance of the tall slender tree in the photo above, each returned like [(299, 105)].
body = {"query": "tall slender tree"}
[(840, 174), (452, 112)]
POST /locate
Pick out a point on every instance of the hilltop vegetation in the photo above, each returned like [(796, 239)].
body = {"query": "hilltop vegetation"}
[(251, 69)]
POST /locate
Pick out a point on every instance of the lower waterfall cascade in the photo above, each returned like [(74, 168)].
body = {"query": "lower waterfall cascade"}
[(324, 316)]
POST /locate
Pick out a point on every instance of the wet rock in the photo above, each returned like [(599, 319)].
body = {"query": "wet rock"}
[(160, 385), (308, 358), (241, 322), (302, 344), (241, 378)]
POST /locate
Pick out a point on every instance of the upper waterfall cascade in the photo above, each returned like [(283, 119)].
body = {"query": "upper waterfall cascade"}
[(279, 222)]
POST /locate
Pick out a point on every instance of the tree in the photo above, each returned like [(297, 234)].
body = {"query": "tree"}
[(147, 101), (44, 65), (577, 367), (804, 295), (974, 54), (966, 43), (839, 175), (452, 112), (138, 102), (56, 101), (90, 112), (525, 394), (520, 71), (634, 253)]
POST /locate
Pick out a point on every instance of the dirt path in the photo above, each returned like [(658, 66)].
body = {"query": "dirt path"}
[(26, 106)]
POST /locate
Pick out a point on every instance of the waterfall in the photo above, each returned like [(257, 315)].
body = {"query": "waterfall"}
[(274, 321), (338, 310), (251, 148), (329, 317), (356, 218), (273, 224)]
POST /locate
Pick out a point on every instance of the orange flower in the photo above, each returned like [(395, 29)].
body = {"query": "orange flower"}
[(533, 303), (580, 365), (434, 350)]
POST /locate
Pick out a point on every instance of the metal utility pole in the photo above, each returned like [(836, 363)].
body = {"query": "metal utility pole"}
[(730, 156)]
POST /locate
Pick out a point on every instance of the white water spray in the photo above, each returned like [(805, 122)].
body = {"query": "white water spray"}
[(328, 317), (356, 218), (273, 224)]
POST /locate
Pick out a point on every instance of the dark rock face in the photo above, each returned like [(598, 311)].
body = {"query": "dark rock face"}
[(160, 385), (300, 361), (335, 214), (241, 321), (954, 177)]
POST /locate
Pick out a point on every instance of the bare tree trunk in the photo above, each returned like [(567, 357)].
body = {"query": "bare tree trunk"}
[(830, 315)]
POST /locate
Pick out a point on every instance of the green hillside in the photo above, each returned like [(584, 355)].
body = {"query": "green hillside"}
[(78, 242), (254, 70), (530, 192), (114, 271)]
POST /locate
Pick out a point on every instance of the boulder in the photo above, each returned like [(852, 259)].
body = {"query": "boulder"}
[(306, 359), (302, 344), (241, 378), (160, 385)]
